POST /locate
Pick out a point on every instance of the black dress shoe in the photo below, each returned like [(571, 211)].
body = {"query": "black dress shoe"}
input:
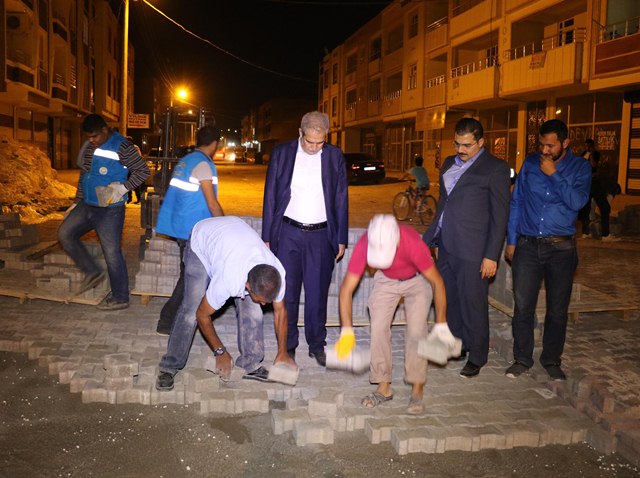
[(320, 357), (461, 357), (470, 370)]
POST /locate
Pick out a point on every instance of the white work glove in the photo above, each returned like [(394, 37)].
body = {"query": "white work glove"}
[(442, 331), (346, 343), (116, 192)]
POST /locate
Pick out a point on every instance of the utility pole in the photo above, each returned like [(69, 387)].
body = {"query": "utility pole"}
[(124, 112)]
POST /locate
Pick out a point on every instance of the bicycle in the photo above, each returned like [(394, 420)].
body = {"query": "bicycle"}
[(423, 205)]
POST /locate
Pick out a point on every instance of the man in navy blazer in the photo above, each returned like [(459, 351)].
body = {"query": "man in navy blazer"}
[(468, 232), (305, 224)]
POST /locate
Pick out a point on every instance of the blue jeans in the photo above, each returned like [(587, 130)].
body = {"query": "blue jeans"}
[(170, 309), (533, 262), (108, 223), (249, 314)]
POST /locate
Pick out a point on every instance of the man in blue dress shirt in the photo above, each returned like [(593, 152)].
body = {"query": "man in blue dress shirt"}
[(552, 186)]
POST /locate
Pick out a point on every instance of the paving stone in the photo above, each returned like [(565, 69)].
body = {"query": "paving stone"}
[(252, 402), (378, 430), (79, 380), (175, 396), (136, 394), (199, 380), (222, 401), (283, 420), (96, 392), (315, 431), (520, 435), (419, 440), (326, 404), (601, 440)]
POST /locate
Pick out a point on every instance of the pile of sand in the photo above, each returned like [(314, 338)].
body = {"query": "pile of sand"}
[(29, 185)]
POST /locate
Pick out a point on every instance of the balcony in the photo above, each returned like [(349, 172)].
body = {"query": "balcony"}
[(435, 91), (437, 34), (618, 50), (373, 106), (473, 82), (392, 103), (468, 16), (549, 63)]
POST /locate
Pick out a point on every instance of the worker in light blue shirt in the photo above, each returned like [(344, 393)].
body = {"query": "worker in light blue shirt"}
[(551, 187)]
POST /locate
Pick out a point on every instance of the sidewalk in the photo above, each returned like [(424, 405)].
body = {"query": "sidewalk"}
[(112, 357)]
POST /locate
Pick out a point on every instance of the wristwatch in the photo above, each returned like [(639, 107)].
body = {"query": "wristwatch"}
[(219, 351)]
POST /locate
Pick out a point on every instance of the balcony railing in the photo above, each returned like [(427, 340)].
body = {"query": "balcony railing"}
[(392, 95), (58, 79), (566, 37), (618, 30), (374, 98), (19, 56), (350, 106), (475, 66), (433, 82), (463, 7), (437, 24)]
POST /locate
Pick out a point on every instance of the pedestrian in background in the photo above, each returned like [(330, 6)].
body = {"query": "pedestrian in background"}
[(305, 223), (468, 232), (552, 186)]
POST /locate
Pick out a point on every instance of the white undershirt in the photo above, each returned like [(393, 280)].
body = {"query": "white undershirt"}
[(307, 197)]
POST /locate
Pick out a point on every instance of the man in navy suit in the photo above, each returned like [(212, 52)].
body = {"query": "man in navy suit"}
[(305, 223), (469, 231)]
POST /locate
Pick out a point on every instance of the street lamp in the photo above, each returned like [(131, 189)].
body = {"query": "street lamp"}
[(124, 111), (181, 93)]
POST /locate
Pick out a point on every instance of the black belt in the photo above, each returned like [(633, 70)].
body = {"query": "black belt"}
[(305, 226), (548, 239)]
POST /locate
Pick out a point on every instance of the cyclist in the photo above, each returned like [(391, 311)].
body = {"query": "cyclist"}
[(420, 174)]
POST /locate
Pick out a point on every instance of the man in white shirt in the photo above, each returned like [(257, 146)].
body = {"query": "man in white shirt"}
[(226, 258), (305, 223)]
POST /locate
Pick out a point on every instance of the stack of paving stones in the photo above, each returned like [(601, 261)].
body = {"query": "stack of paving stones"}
[(14, 235), (160, 269), (59, 274)]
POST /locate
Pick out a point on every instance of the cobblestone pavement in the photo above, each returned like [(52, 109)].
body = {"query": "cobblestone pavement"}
[(112, 357)]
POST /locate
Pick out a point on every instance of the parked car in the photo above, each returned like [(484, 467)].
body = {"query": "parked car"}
[(363, 167)]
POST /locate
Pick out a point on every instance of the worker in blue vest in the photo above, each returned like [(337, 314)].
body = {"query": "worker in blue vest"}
[(191, 196), (111, 166)]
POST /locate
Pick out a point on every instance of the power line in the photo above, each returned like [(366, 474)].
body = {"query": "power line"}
[(226, 52)]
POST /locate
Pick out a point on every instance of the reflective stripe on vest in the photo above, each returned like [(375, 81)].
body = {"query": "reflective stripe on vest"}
[(105, 153)]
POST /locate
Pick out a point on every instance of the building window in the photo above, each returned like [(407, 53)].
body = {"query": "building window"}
[(413, 25), (412, 83), (351, 98), (108, 83), (376, 49), (326, 80), (334, 74), (325, 107), (334, 106), (43, 17), (352, 63), (394, 39), (394, 86), (374, 90), (566, 30)]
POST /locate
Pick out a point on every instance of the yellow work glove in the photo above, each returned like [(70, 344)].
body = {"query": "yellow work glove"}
[(346, 343)]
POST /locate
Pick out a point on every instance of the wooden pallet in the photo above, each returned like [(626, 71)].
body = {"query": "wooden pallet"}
[(145, 297), (589, 300), (21, 285)]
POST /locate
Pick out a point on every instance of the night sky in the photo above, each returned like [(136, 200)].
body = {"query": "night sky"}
[(286, 36)]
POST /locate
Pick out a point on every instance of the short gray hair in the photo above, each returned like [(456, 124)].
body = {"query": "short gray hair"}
[(316, 121)]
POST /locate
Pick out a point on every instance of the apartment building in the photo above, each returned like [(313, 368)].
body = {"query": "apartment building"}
[(399, 84), (60, 60)]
